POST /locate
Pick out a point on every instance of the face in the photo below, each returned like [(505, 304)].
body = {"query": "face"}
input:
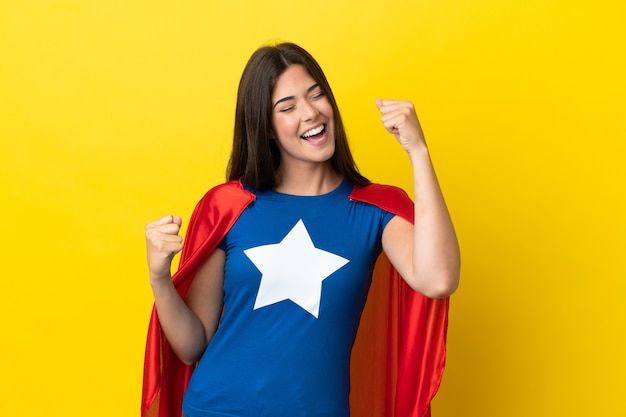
[(302, 118)]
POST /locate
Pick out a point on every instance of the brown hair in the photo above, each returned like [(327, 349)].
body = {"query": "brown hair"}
[(255, 158)]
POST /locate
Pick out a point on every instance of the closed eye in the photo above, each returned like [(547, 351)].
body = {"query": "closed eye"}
[(316, 91), (287, 109), (317, 95)]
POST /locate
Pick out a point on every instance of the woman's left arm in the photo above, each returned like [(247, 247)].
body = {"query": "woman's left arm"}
[(426, 254)]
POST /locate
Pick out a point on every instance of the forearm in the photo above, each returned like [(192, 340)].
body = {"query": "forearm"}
[(182, 328), (436, 257)]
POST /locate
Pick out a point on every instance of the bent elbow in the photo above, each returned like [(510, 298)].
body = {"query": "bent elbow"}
[(188, 359), (188, 362), (441, 286), (442, 291)]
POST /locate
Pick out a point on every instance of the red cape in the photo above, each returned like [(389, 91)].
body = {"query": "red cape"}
[(399, 355)]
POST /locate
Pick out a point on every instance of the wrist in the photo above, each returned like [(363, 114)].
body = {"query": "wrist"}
[(159, 280), (418, 152)]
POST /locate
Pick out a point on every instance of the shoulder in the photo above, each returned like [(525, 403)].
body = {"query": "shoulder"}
[(228, 193), (213, 217), (380, 191), (387, 197), (218, 209), (225, 189), (225, 199)]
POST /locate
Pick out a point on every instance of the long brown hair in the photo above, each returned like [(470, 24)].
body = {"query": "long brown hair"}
[(255, 157)]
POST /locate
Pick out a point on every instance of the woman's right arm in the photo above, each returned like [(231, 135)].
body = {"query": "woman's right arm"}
[(187, 324)]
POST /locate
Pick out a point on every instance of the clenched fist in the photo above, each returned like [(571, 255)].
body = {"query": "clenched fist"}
[(400, 119), (162, 243)]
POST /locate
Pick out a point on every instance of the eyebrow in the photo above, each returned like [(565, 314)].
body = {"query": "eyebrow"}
[(308, 90)]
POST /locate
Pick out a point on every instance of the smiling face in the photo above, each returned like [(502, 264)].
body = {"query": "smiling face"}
[(302, 118)]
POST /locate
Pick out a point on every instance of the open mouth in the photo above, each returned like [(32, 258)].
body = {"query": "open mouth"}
[(314, 133)]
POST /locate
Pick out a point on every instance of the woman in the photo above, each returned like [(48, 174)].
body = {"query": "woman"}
[(277, 262)]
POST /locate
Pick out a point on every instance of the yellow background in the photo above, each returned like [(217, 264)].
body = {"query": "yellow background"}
[(114, 112)]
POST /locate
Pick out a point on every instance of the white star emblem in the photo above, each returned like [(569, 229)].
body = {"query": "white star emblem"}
[(293, 270)]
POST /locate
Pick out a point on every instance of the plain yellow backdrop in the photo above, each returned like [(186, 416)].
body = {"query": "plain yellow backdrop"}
[(113, 113)]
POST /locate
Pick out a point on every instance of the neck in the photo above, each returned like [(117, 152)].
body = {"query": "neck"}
[(317, 181)]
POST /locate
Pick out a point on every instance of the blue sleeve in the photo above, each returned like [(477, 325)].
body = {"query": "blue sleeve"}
[(387, 216)]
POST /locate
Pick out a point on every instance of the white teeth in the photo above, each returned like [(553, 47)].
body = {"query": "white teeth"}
[(313, 132)]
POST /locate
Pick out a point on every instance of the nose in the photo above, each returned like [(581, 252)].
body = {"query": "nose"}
[(308, 111)]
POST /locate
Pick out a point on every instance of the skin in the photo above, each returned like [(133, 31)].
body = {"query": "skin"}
[(426, 254), (300, 106)]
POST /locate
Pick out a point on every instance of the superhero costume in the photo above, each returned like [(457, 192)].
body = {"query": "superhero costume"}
[(396, 375)]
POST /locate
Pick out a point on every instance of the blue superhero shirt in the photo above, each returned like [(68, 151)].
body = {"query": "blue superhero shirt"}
[(297, 273)]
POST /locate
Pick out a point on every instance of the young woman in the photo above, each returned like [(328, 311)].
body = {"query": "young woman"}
[(277, 262)]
